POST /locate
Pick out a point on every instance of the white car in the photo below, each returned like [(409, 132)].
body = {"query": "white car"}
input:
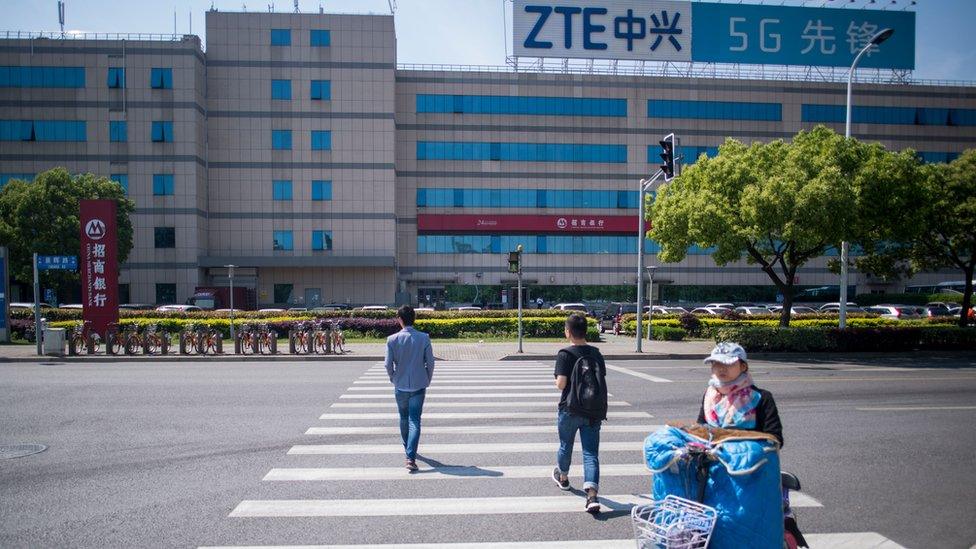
[(271, 310), (424, 309), (835, 306), (752, 310), (466, 308), (375, 308), (569, 307), (178, 309), (713, 311), (793, 310)]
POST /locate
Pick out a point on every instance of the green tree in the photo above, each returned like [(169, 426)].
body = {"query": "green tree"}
[(946, 235), (43, 216), (782, 204)]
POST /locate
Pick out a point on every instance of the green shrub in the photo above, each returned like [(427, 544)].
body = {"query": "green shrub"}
[(660, 333), (853, 339)]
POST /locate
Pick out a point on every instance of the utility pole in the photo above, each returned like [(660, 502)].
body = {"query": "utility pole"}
[(515, 266)]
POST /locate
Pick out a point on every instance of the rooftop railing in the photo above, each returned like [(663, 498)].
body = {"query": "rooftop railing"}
[(81, 35)]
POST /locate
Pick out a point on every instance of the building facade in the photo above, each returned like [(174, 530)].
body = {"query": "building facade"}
[(294, 149)]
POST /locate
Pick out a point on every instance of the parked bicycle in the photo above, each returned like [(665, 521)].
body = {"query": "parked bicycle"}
[(189, 340), (267, 340), (114, 339), (132, 339), (154, 341), (322, 338), (247, 340), (84, 340), (338, 338), (301, 338), (209, 341)]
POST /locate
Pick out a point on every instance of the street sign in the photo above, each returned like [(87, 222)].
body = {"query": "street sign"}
[(57, 262), (99, 266)]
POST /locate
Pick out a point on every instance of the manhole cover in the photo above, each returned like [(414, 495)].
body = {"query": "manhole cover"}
[(10, 451)]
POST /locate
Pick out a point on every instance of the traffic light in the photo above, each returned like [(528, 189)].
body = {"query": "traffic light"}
[(671, 165), (515, 260)]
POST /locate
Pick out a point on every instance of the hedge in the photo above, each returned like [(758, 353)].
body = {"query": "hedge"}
[(707, 326), (661, 332), (54, 315), (877, 339), (379, 327)]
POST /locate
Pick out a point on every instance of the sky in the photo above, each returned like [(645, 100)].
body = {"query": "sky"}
[(469, 32)]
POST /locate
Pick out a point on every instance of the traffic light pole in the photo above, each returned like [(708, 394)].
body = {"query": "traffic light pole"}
[(644, 185)]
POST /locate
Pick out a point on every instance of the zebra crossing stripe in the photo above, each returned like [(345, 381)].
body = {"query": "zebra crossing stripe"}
[(445, 472), (552, 396), (462, 379), (470, 429), (428, 405), (581, 544), (472, 415), (550, 386), (428, 449)]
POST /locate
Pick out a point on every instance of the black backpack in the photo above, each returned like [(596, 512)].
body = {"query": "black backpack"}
[(587, 387)]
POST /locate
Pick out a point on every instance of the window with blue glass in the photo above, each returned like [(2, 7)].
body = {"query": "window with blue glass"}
[(162, 131), (714, 110), (118, 131), (321, 140), (319, 38), (321, 240), (42, 77), (281, 189), (122, 179), (930, 157), (281, 89), (962, 117), (321, 190), (7, 177), (321, 90), (689, 153), (521, 152), (859, 114), (43, 130), (281, 140), (116, 77), (283, 240), (163, 184), (161, 78), (280, 37), (525, 198), (519, 105)]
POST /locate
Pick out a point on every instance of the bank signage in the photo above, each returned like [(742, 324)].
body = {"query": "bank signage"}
[(708, 32), (575, 223), (99, 264)]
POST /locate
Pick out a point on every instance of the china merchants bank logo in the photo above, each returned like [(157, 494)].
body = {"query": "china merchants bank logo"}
[(562, 223), (95, 229)]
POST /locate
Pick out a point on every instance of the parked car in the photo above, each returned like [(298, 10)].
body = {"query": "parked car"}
[(424, 309), (569, 307), (798, 310), (72, 306), (20, 305), (836, 306), (712, 311), (729, 306), (298, 309), (375, 308), (227, 311), (271, 310), (332, 307), (897, 312), (611, 312), (752, 310), (465, 308), (137, 306), (178, 309), (934, 310)]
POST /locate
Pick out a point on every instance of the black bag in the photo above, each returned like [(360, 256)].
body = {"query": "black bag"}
[(587, 388)]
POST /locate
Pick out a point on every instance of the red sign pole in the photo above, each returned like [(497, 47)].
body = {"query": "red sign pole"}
[(99, 264)]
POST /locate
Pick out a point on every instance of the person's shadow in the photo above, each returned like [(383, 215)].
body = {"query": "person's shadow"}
[(454, 470)]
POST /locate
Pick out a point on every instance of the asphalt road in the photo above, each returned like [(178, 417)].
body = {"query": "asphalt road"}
[(176, 455)]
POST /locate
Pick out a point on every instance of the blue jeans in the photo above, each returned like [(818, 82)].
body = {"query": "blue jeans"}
[(410, 404), (589, 432)]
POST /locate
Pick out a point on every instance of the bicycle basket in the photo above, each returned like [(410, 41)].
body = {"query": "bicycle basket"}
[(673, 523)]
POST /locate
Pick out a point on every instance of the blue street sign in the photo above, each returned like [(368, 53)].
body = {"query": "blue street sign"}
[(57, 262), (50, 296)]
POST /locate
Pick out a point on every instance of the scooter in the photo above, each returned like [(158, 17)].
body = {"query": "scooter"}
[(792, 537)]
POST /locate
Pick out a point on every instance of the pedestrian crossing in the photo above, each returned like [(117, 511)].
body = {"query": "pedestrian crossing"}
[(487, 448)]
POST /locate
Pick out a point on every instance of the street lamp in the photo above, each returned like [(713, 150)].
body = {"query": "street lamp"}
[(844, 245), (230, 275), (650, 301)]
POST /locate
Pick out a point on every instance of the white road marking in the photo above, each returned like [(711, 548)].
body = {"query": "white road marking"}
[(549, 395), (641, 375), (565, 503), (445, 472), (912, 408), (851, 540), (581, 544), (463, 379), (507, 405), (473, 415), (474, 448), (470, 429), (540, 386)]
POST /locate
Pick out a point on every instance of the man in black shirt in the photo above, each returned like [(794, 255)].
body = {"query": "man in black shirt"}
[(581, 375)]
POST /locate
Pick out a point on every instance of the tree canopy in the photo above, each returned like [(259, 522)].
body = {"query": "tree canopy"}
[(43, 216), (781, 204)]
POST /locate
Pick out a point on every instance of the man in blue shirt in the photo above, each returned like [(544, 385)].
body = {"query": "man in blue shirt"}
[(410, 364)]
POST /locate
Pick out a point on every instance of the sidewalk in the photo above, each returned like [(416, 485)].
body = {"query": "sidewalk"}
[(614, 348)]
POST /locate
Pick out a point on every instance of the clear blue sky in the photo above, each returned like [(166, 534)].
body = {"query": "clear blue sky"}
[(469, 32)]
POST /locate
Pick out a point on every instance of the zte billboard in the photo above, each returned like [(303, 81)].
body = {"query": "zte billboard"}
[(711, 33)]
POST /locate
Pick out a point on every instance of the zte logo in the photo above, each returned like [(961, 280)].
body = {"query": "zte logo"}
[(630, 28)]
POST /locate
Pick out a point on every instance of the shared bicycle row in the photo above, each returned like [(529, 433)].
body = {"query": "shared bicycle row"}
[(323, 337)]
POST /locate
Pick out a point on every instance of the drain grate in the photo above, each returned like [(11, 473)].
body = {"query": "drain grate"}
[(10, 451)]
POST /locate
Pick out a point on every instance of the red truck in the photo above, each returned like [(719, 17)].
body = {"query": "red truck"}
[(209, 298)]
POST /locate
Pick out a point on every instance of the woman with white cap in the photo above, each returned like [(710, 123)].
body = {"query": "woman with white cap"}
[(732, 400)]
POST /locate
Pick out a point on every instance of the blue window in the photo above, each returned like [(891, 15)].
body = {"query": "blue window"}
[(517, 105), (281, 189), (321, 240), (281, 140), (859, 114), (162, 131), (281, 89), (962, 117), (714, 110), (521, 152), (42, 77), (43, 130), (280, 37), (933, 117), (163, 184), (116, 77), (321, 90), (934, 157), (321, 140), (5, 177), (118, 131), (321, 190), (122, 179), (689, 154), (161, 78), (319, 38), (283, 240)]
